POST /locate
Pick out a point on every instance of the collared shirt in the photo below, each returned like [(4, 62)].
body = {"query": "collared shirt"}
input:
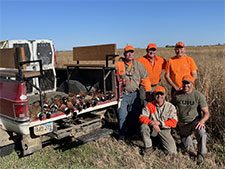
[(178, 67), (133, 75), (154, 70)]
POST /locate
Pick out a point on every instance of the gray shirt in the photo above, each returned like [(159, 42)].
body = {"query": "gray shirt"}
[(189, 106)]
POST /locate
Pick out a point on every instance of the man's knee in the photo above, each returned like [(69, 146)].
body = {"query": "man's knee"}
[(169, 144), (172, 148), (145, 132), (122, 112), (202, 133), (145, 128)]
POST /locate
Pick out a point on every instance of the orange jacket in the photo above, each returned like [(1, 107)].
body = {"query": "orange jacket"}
[(154, 71), (134, 74), (166, 114)]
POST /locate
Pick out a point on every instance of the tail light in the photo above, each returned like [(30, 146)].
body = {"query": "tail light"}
[(21, 92), (21, 107), (21, 112)]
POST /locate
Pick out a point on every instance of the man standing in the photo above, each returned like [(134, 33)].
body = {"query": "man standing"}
[(192, 114), (153, 64), (131, 74), (179, 66), (157, 118)]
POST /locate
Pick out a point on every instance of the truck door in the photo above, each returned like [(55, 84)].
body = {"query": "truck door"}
[(44, 50)]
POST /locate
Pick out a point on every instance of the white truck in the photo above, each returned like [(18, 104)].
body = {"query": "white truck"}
[(41, 49), (33, 112)]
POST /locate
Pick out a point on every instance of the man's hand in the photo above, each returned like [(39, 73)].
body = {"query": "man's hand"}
[(200, 125), (124, 82), (155, 125), (177, 88), (155, 122), (156, 128), (148, 96)]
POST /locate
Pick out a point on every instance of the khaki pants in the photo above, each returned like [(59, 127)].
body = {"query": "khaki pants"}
[(165, 136), (188, 132)]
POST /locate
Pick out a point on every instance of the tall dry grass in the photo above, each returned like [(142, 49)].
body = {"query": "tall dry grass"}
[(211, 82)]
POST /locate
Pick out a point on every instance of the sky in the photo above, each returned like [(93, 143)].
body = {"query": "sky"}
[(72, 23)]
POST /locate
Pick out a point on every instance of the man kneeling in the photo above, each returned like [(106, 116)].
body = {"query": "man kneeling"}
[(193, 114), (157, 119)]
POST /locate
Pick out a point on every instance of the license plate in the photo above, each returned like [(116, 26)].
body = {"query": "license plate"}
[(43, 128)]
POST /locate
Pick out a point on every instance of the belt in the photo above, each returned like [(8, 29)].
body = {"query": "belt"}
[(128, 92), (195, 121)]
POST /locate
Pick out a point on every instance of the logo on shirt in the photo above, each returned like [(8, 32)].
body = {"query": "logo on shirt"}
[(186, 102)]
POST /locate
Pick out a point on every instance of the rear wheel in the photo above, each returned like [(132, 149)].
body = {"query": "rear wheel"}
[(6, 150), (6, 143), (74, 87), (110, 118)]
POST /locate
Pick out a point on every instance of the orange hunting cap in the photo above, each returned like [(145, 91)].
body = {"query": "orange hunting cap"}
[(179, 45), (128, 48), (152, 45), (188, 78), (160, 89)]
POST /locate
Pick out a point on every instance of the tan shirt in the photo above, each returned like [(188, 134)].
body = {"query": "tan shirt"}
[(165, 114), (133, 75)]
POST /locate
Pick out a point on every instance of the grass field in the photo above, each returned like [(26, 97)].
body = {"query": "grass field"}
[(108, 152)]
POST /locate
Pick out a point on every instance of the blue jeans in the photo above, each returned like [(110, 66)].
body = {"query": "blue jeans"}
[(128, 104)]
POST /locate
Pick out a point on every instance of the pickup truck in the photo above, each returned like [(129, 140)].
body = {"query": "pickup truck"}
[(39, 103)]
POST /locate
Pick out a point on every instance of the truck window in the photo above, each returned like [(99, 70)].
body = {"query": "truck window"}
[(44, 52), (47, 82), (29, 87), (26, 48)]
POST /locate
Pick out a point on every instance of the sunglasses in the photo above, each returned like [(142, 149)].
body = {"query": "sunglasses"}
[(185, 82), (159, 93), (152, 49), (131, 51)]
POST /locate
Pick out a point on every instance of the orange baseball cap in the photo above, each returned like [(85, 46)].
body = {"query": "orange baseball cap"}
[(179, 45), (152, 45), (160, 89), (128, 48), (188, 78)]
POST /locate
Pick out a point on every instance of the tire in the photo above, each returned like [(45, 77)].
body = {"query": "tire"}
[(110, 118), (6, 150), (7, 145), (74, 87)]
